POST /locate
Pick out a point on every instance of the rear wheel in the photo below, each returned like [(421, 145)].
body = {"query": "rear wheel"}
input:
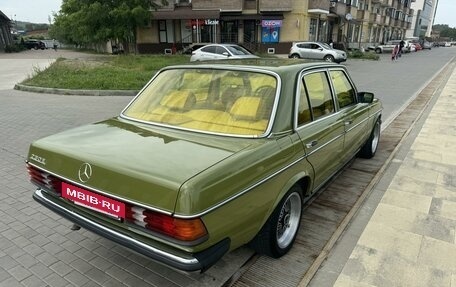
[(378, 51), (370, 147), (278, 234)]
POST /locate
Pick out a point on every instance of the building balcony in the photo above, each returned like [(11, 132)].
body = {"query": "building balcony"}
[(388, 3), (362, 15), (273, 5), (318, 5), (221, 5), (182, 3), (397, 23), (338, 8), (381, 2), (375, 18), (387, 21)]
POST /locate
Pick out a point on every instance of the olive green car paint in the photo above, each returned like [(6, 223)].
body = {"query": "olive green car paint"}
[(233, 183)]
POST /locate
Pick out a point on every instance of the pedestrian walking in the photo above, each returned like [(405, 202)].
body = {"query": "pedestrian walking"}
[(401, 46), (395, 53)]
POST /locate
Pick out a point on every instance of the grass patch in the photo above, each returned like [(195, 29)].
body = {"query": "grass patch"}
[(125, 72), (363, 55)]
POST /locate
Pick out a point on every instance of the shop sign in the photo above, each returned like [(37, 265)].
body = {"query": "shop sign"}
[(271, 23), (201, 22), (211, 22)]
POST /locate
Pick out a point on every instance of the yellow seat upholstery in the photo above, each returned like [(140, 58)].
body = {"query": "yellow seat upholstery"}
[(179, 101), (246, 108)]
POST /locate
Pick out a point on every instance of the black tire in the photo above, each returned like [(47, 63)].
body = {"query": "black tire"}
[(328, 58), (278, 234), (370, 146), (378, 51), (295, 56)]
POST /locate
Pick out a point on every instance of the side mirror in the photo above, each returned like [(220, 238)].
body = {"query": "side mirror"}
[(225, 54), (365, 97)]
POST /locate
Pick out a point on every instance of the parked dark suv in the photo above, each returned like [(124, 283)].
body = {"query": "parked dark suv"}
[(34, 44)]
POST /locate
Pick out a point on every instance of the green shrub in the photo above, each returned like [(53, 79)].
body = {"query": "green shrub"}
[(15, 48), (357, 54)]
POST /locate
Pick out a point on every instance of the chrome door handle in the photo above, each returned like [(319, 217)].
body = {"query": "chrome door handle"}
[(311, 144)]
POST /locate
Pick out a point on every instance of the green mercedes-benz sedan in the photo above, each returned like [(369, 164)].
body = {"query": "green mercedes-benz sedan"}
[(209, 157)]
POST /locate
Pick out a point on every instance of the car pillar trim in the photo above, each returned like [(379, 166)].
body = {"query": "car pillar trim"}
[(188, 264)]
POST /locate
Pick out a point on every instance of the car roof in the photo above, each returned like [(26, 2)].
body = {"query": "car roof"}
[(276, 65)]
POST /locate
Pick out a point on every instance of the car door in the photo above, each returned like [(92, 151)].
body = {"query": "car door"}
[(221, 53), (317, 51), (355, 115), (305, 51), (319, 127)]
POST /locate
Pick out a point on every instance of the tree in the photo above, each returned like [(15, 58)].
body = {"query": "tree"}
[(85, 22), (445, 31)]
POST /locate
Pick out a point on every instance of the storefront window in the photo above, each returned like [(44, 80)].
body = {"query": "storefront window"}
[(229, 32), (313, 30), (162, 31), (322, 26), (270, 31), (204, 31)]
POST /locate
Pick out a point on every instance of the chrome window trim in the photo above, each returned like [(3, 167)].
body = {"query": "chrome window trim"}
[(298, 89), (351, 83), (225, 68)]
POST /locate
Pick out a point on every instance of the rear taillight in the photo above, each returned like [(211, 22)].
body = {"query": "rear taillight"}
[(44, 179), (180, 229)]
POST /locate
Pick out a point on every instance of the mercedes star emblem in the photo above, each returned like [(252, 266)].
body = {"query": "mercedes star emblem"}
[(85, 172)]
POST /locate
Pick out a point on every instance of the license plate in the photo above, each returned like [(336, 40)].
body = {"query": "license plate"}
[(93, 200)]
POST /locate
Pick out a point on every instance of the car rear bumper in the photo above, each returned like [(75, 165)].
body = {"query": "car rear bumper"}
[(188, 262)]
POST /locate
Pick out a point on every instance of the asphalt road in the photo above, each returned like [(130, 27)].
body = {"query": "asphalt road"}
[(37, 247)]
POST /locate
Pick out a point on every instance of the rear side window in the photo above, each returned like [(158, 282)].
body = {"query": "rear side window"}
[(209, 49), (304, 46), (319, 93), (345, 93)]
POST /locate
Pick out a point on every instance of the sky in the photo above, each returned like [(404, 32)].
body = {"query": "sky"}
[(38, 11)]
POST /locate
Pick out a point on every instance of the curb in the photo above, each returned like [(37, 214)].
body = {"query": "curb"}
[(71, 92)]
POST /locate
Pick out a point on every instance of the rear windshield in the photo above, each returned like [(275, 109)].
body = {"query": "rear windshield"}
[(208, 100)]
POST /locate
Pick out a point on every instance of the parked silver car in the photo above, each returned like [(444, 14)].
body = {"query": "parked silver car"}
[(389, 46), (220, 52), (316, 50)]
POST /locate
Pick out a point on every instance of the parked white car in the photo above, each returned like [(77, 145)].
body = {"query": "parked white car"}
[(389, 46), (221, 52), (316, 50)]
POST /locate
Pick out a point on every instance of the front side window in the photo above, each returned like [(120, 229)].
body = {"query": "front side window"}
[(345, 93), (319, 93), (238, 103)]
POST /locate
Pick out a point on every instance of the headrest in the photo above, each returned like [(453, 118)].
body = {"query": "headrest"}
[(246, 108), (178, 100)]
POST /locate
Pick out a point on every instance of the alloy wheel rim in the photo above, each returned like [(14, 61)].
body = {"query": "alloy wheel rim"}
[(288, 221)]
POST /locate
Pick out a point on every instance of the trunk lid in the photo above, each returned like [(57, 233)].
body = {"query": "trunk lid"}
[(140, 163)]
